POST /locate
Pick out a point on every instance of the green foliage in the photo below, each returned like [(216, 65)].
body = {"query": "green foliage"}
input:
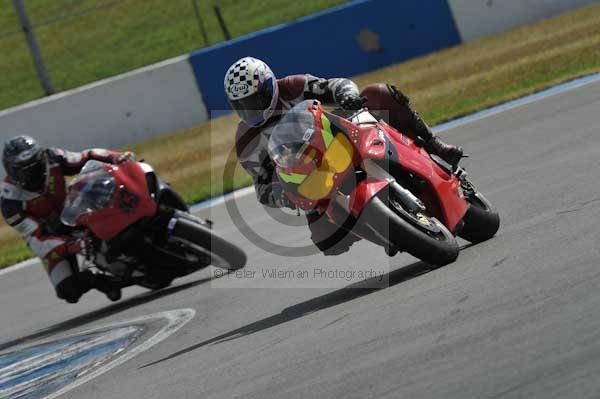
[(86, 40)]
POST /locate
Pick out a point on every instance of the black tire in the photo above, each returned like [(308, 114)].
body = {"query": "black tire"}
[(439, 249), (481, 222), (222, 253), (158, 285)]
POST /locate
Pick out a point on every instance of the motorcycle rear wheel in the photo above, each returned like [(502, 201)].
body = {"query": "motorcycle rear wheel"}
[(415, 235), (157, 285), (222, 253)]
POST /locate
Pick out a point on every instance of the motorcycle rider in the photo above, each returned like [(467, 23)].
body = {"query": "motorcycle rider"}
[(32, 198), (260, 100)]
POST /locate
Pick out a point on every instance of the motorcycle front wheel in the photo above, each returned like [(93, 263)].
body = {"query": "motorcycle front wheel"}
[(481, 222), (417, 233)]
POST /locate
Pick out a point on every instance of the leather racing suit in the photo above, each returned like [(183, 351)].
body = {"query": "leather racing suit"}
[(36, 217), (384, 101)]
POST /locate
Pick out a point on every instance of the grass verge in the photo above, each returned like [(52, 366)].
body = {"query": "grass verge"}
[(84, 41), (443, 86)]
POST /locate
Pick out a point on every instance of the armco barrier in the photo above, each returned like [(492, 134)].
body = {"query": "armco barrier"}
[(110, 113), (478, 18), (348, 40)]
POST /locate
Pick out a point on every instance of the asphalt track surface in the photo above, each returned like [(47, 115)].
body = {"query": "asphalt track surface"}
[(515, 317)]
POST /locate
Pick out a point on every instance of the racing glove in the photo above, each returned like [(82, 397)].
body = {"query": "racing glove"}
[(126, 156), (273, 195), (352, 102)]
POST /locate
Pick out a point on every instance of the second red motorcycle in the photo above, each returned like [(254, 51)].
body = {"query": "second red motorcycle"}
[(378, 184), (137, 228)]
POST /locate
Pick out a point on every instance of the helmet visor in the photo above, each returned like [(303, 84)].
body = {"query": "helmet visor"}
[(30, 174), (251, 109)]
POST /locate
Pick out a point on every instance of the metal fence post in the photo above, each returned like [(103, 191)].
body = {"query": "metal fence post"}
[(222, 23), (34, 48), (200, 23)]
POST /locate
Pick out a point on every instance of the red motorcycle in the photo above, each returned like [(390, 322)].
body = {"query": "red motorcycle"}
[(138, 229), (377, 183)]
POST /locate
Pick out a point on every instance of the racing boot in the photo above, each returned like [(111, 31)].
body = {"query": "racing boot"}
[(107, 285), (450, 153), (433, 144)]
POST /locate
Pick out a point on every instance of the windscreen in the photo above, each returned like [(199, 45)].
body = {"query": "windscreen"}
[(91, 191), (292, 134)]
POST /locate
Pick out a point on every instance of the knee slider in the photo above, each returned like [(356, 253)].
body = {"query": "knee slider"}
[(376, 94)]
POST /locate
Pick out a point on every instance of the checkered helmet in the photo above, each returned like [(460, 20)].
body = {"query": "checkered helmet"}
[(252, 90)]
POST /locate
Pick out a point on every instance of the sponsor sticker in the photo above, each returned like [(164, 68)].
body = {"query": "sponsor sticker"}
[(239, 88), (308, 134)]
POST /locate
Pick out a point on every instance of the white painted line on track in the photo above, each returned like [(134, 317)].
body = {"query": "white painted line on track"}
[(561, 88), (20, 265), (175, 320), (242, 192)]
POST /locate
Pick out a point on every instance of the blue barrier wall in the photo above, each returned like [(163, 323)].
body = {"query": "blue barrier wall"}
[(348, 40)]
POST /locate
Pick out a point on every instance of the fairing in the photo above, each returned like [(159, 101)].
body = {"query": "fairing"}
[(113, 209), (364, 191), (312, 155), (90, 192), (346, 147), (443, 193)]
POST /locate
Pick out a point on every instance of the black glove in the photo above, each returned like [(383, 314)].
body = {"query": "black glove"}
[(273, 195), (352, 102), (280, 198)]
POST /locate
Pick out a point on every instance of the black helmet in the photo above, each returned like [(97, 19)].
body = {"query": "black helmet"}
[(24, 162)]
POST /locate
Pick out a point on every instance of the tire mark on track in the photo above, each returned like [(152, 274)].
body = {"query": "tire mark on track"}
[(579, 207), (334, 321), (501, 261)]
